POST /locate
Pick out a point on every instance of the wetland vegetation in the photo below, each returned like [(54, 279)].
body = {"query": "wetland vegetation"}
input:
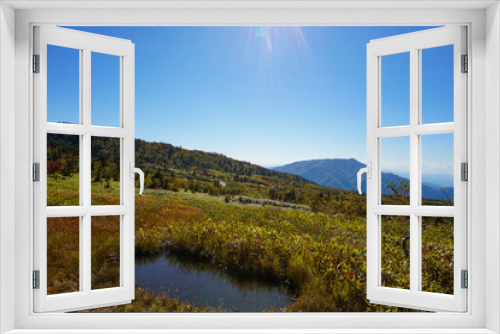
[(241, 218)]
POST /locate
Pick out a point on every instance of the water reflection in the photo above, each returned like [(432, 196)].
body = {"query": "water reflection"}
[(200, 282)]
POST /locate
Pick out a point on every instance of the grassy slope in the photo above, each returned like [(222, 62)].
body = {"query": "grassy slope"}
[(321, 255)]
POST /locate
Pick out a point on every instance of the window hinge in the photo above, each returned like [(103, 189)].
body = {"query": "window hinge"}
[(464, 171), (465, 64), (36, 172), (465, 279), (36, 279), (36, 63)]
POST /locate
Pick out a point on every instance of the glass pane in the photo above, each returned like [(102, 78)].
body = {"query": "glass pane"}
[(437, 254), (395, 89), (63, 167), (437, 169), (395, 266), (105, 171), (105, 90), (395, 168), (437, 84), (63, 85), (63, 255), (105, 252)]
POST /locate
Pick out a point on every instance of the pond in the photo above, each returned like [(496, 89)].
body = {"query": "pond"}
[(202, 283)]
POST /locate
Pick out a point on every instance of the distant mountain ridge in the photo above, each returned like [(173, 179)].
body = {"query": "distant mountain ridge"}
[(341, 174)]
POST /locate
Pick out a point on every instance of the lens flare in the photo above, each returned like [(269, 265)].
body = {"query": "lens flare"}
[(260, 32), (289, 41)]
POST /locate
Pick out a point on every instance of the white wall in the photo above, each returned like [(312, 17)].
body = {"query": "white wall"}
[(492, 164), (7, 154)]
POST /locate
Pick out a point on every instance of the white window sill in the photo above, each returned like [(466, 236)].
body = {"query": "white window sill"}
[(253, 331)]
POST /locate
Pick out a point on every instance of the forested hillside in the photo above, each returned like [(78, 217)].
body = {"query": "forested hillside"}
[(161, 156), (174, 168)]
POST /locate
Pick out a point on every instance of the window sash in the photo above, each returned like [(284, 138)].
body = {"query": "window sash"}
[(85, 298), (414, 297)]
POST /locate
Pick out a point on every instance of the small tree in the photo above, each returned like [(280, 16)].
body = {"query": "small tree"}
[(447, 196), (54, 167), (147, 181), (400, 190)]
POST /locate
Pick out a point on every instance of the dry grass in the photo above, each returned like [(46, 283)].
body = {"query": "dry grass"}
[(321, 256), (147, 302)]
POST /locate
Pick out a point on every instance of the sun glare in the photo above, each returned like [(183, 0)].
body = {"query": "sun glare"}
[(279, 39)]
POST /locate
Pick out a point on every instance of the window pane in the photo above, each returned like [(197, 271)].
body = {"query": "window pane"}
[(437, 169), (105, 252), (63, 85), (395, 89), (105, 171), (395, 264), (437, 254), (63, 255), (395, 169), (105, 90), (63, 167), (437, 84)]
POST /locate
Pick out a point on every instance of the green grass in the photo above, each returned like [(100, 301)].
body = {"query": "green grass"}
[(321, 256), (61, 191), (147, 302)]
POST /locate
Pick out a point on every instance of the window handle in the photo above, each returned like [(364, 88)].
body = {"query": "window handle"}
[(134, 170), (368, 171)]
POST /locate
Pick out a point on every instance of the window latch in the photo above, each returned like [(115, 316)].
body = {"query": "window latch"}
[(134, 170), (368, 171)]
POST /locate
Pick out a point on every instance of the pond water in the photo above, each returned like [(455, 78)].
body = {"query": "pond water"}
[(202, 283)]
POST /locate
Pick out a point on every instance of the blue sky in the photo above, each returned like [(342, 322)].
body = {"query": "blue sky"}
[(268, 95)]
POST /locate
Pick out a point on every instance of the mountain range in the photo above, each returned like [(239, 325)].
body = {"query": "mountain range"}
[(341, 174), (164, 163)]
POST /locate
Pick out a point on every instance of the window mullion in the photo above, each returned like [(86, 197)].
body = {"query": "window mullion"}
[(81, 247), (415, 252), (86, 262), (86, 154), (86, 230)]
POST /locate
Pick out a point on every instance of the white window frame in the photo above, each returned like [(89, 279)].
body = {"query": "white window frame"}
[(482, 19), (86, 44), (414, 43)]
